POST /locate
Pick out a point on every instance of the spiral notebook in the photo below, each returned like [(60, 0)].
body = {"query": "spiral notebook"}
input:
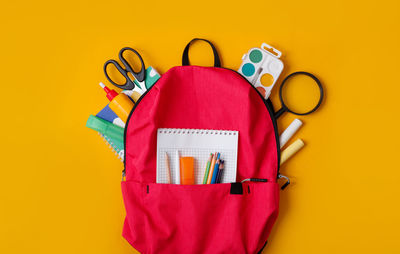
[(115, 145), (199, 144)]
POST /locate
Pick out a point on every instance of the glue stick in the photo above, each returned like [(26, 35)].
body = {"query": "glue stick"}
[(119, 103)]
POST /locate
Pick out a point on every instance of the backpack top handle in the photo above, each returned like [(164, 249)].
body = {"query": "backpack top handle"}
[(185, 56)]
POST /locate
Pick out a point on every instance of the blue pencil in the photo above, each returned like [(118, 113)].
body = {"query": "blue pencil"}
[(215, 172), (220, 171)]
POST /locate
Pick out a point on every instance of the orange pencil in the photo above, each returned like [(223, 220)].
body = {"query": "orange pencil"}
[(210, 173), (207, 169)]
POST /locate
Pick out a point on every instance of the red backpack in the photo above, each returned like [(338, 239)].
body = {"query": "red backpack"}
[(207, 218)]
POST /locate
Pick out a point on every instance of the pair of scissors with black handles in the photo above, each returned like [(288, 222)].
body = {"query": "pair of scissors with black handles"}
[(127, 69)]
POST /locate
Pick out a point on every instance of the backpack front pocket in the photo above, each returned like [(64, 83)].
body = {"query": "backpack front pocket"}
[(207, 218)]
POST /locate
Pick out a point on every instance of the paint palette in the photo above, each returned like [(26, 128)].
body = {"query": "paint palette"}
[(262, 67)]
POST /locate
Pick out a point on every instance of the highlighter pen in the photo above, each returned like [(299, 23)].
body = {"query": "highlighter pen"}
[(212, 166), (220, 171), (207, 168), (215, 173)]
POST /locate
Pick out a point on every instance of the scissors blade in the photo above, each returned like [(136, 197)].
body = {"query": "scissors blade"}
[(140, 84)]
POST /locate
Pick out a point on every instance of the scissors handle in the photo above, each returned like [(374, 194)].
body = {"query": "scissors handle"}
[(128, 85), (139, 76)]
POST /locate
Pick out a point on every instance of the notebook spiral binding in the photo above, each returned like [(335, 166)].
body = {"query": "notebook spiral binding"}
[(118, 153), (196, 131)]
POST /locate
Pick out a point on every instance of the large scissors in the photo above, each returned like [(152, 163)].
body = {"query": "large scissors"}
[(129, 84)]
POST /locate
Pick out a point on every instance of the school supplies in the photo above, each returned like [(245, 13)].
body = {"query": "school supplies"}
[(151, 77), (105, 128), (207, 168), (290, 150), (152, 209), (289, 132), (212, 167), (112, 134), (284, 108), (216, 168), (187, 170), (107, 114), (220, 171), (168, 168), (262, 67), (177, 167), (119, 103), (115, 145), (129, 82), (198, 144)]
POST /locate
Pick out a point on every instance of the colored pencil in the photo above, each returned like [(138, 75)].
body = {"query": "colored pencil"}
[(210, 173), (220, 171), (215, 172), (207, 168), (168, 168)]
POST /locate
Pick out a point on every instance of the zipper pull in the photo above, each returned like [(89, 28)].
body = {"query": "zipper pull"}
[(286, 183), (254, 180), (123, 175)]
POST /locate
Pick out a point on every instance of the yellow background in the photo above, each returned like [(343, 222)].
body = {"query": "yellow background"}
[(60, 185)]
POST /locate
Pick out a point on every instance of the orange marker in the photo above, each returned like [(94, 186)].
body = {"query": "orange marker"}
[(210, 173)]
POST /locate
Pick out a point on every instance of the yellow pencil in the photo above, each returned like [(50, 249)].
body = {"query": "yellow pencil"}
[(210, 173)]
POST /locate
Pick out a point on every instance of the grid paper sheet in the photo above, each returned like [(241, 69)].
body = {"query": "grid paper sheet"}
[(198, 144)]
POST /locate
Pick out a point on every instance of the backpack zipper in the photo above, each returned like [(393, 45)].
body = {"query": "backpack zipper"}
[(269, 106), (127, 123)]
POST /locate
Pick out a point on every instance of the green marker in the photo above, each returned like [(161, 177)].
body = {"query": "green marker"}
[(207, 168)]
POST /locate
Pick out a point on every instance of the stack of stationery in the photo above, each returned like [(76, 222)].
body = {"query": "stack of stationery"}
[(106, 119), (189, 150), (112, 134)]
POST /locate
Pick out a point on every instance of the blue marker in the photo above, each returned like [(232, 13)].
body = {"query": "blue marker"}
[(215, 172)]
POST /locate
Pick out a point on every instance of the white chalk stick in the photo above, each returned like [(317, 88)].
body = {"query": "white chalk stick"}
[(290, 131)]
